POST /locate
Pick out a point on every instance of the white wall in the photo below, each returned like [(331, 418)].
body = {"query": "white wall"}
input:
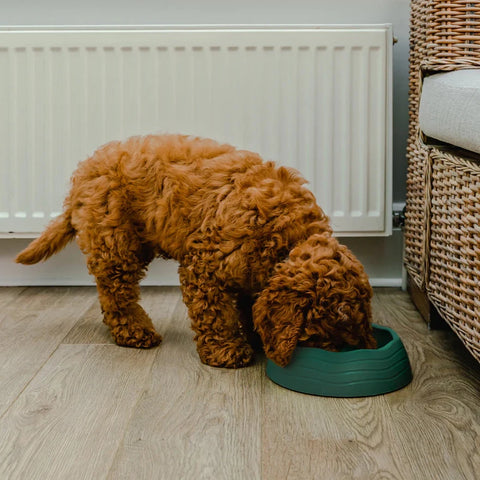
[(381, 256)]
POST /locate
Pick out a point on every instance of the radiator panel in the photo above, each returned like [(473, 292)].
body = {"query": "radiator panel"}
[(317, 99)]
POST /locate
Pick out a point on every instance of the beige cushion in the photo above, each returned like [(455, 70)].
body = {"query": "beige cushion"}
[(450, 108)]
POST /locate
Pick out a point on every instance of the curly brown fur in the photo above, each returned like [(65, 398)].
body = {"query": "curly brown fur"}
[(243, 231), (319, 297)]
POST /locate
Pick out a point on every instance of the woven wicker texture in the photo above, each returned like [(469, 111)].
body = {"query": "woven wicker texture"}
[(416, 240), (442, 231), (417, 215), (453, 34), (444, 35), (454, 285)]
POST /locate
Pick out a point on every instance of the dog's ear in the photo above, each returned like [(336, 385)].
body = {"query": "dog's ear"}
[(278, 316)]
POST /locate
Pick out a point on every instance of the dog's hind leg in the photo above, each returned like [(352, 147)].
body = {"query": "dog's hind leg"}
[(118, 263), (215, 318)]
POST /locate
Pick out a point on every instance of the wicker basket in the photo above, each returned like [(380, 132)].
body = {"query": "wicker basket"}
[(454, 283), (442, 231), (444, 35)]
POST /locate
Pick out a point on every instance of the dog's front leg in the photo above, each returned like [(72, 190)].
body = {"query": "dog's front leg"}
[(215, 321)]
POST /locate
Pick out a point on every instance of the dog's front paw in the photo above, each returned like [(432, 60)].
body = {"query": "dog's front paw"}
[(136, 335), (226, 355)]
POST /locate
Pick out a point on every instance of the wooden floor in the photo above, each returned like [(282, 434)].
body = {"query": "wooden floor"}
[(75, 406)]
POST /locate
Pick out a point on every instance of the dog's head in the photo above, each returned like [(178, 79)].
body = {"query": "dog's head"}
[(320, 296)]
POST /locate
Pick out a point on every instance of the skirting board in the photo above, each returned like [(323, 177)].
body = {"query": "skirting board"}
[(381, 256)]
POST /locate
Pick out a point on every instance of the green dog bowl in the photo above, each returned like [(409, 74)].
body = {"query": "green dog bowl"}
[(348, 373)]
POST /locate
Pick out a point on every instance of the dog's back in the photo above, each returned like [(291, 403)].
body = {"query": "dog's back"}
[(165, 187), (173, 191)]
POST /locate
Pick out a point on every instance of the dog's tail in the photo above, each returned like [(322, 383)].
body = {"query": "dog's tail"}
[(55, 237)]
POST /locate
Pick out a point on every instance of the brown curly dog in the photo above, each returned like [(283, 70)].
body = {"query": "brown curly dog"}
[(245, 232)]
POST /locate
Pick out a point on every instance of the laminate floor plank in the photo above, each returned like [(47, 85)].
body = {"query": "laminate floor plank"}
[(116, 413), (439, 410), (8, 295), (32, 325), (308, 437), (193, 421), (69, 421)]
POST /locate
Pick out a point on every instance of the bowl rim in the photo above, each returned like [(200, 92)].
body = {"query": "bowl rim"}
[(331, 355)]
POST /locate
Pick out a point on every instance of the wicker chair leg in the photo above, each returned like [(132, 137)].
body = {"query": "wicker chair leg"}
[(426, 308)]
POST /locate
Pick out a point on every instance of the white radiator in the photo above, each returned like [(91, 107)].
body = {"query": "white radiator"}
[(315, 98)]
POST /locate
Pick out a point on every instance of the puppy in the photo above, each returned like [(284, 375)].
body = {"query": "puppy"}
[(252, 244)]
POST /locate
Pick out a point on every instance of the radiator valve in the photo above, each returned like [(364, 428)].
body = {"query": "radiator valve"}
[(398, 220)]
